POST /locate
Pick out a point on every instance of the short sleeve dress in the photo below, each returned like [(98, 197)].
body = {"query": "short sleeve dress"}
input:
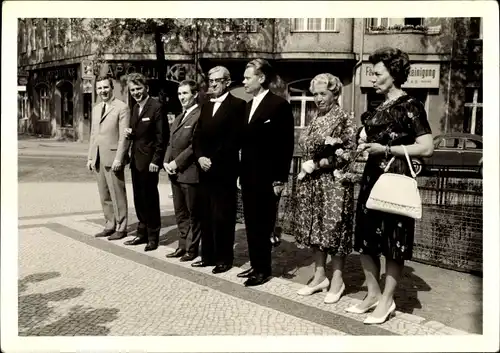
[(320, 212), (376, 233)]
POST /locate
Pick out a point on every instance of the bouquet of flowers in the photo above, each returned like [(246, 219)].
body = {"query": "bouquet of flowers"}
[(331, 150)]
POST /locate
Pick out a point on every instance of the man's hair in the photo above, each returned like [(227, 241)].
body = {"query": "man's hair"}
[(225, 71), (138, 79), (105, 77), (262, 67), (193, 85)]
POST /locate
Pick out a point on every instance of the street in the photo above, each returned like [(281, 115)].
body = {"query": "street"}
[(71, 283)]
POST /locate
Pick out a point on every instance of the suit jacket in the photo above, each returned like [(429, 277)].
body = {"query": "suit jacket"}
[(180, 147), (267, 141), (216, 137), (150, 134), (107, 136)]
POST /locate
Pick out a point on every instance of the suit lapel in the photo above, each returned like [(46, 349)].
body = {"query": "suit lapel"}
[(258, 114), (181, 123), (109, 108), (146, 107), (223, 107)]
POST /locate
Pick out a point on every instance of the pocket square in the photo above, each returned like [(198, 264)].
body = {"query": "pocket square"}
[(145, 119), (267, 121), (188, 127)]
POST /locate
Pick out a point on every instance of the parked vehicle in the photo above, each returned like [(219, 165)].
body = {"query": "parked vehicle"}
[(454, 152)]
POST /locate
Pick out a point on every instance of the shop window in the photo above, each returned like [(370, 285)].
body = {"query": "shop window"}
[(66, 90), (43, 102), (473, 110), (22, 105), (313, 24)]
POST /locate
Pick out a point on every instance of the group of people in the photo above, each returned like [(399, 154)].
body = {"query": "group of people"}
[(225, 142)]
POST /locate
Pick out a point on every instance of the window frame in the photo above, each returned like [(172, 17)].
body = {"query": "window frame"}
[(293, 27), (475, 105), (43, 109)]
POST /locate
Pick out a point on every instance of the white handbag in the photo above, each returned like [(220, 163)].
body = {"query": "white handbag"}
[(396, 193)]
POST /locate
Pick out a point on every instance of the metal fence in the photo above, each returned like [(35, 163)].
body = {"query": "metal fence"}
[(450, 232)]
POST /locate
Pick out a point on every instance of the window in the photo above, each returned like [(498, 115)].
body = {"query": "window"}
[(22, 105), (241, 25), (473, 115), (450, 142), (43, 101), (394, 23), (473, 144), (23, 36), (45, 39), (33, 35), (476, 28), (313, 25), (57, 22)]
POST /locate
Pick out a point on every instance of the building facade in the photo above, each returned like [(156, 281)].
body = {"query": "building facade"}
[(56, 72)]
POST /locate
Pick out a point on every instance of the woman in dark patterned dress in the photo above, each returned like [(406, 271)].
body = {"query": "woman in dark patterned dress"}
[(399, 120), (322, 210)]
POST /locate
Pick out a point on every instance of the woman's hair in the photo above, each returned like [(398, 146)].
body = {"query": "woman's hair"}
[(333, 84), (396, 62)]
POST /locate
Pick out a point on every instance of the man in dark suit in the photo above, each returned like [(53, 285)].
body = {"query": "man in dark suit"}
[(149, 133), (180, 164), (215, 147), (266, 153)]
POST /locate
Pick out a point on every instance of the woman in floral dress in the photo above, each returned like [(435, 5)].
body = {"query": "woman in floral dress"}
[(321, 211), (399, 120)]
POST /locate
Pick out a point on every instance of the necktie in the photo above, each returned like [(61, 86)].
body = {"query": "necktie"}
[(103, 109), (184, 113)]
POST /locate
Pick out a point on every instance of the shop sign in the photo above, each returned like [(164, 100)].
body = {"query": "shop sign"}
[(68, 73), (422, 75), (87, 86), (87, 69), (174, 72)]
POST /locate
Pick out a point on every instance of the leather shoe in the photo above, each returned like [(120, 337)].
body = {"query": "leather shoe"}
[(202, 263), (188, 257), (117, 236), (152, 245), (257, 279), (105, 233), (177, 253), (136, 241), (246, 273), (221, 268)]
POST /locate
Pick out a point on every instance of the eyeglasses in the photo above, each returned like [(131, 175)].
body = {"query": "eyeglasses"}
[(217, 80)]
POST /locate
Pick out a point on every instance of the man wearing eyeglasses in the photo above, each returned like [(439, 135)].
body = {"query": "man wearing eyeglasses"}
[(215, 147)]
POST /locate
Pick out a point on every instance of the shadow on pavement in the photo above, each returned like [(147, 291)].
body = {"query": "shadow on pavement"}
[(35, 309)]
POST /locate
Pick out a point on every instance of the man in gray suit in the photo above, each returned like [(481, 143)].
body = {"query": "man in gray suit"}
[(180, 164), (107, 156)]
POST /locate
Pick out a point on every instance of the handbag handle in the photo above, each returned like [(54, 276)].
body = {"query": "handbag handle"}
[(407, 158)]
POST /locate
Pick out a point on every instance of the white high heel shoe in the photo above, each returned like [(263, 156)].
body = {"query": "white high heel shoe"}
[(323, 286), (355, 310), (332, 298), (370, 320)]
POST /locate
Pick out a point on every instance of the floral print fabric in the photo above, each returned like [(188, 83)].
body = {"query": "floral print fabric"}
[(398, 123), (320, 209)]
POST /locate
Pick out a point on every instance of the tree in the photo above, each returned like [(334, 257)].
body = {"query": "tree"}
[(108, 35)]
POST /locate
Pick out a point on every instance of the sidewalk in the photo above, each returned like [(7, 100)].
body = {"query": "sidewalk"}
[(51, 147), (434, 294)]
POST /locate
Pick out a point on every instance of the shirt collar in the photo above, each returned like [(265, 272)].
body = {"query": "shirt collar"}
[(260, 96), (223, 97), (189, 110), (143, 103)]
